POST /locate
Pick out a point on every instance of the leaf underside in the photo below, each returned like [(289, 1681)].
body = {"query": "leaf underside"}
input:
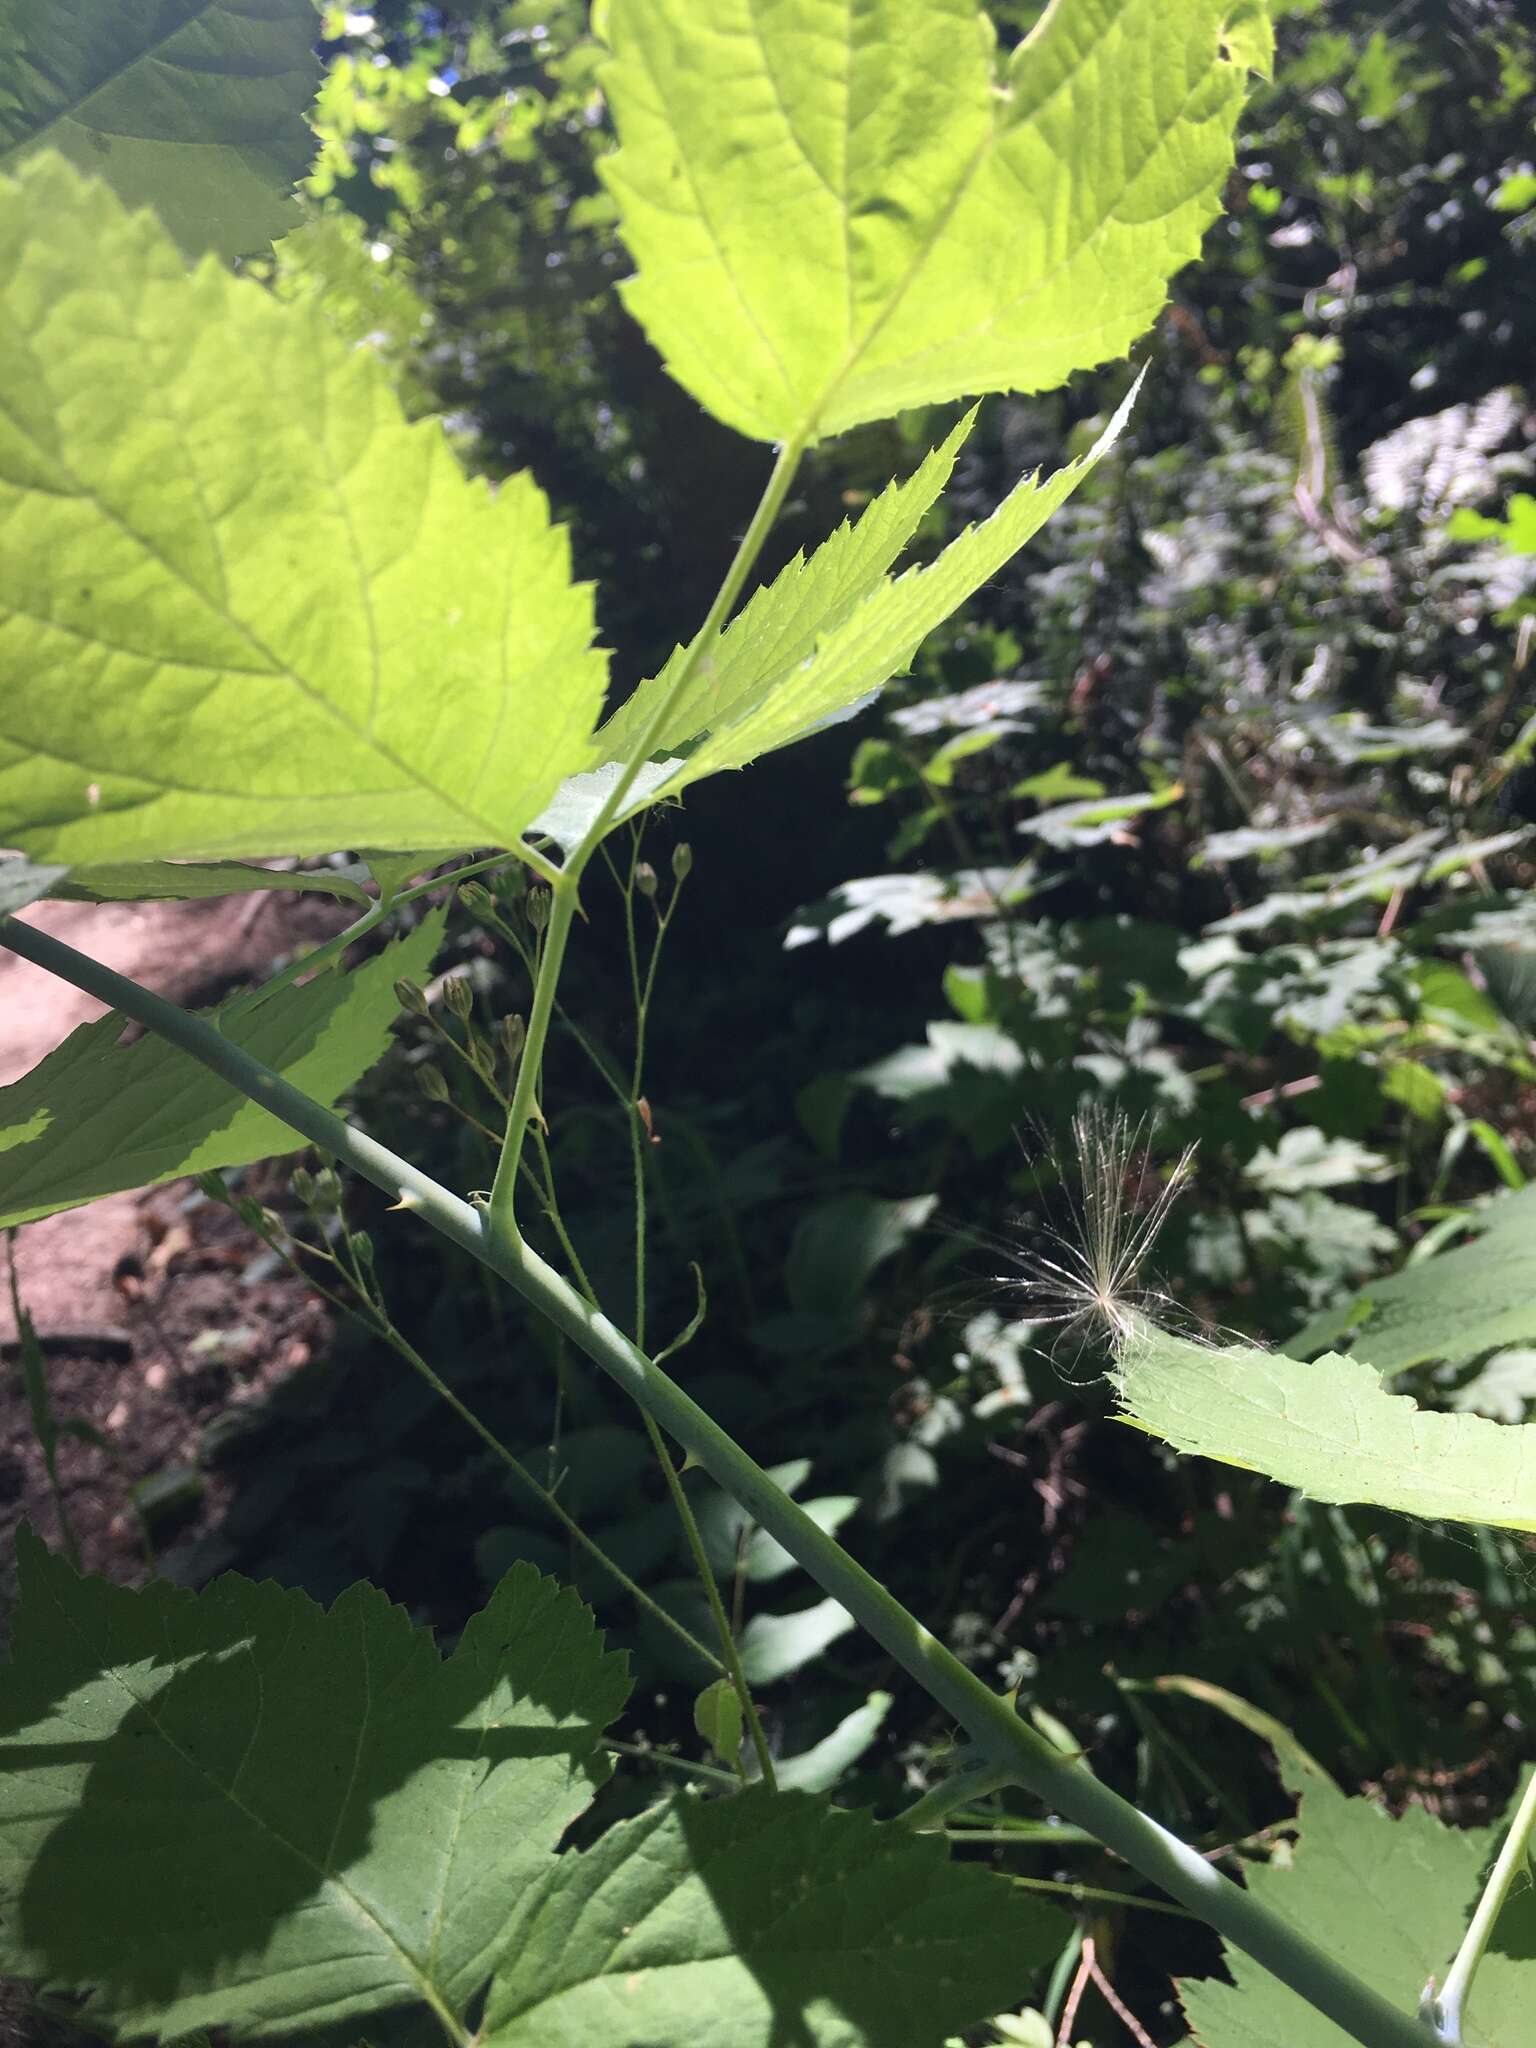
[(245, 608), (1330, 1428), (840, 212), (96, 1117), (192, 107)]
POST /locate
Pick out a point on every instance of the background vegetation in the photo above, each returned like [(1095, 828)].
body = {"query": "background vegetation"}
[(1216, 807)]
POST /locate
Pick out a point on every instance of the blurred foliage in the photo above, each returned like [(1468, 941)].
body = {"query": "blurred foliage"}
[(1218, 804)]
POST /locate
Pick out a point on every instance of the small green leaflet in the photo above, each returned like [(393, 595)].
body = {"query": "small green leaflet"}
[(1453, 1307), (235, 1808), (837, 213), (1330, 1428), (819, 654), (1392, 1897), (758, 1920), (245, 609), (95, 1117), (782, 624), (192, 107)]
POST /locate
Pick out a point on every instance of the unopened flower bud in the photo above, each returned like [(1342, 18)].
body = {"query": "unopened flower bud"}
[(327, 1186), (460, 997), (514, 1036), (477, 899), (362, 1250), (645, 878), (251, 1213), (411, 997), (302, 1181), (432, 1084), (538, 908), (216, 1188), (682, 861)]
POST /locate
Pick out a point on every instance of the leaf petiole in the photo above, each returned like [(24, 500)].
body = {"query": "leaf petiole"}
[(1443, 2013)]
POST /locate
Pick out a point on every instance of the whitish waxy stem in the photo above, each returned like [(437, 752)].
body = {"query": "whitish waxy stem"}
[(1443, 2014), (990, 1720)]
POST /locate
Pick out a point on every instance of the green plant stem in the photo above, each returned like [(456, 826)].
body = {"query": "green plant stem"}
[(374, 1316), (34, 1375), (702, 1566), (373, 916), (1064, 1888), (1444, 2013), (1061, 1976), (566, 882), (989, 1719), (667, 1762), (1029, 1834), (973, 1781)]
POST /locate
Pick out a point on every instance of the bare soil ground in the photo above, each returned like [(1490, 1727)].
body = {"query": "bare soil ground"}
[(157, 1312)]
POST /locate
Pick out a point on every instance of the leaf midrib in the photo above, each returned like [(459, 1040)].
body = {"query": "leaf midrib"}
[(809, 426), (276, 668), (147, 54), (415, 1978)]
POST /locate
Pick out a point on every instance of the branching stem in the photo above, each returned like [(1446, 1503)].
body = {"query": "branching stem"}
[(565, 884), (989, 1719), (1444, 2013)]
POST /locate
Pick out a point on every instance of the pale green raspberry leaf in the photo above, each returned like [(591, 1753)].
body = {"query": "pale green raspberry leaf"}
[(192, 107), (761, 1919), (237, 1809), (96, 1117), (1330, 1428), (840, 211), (245, 609)]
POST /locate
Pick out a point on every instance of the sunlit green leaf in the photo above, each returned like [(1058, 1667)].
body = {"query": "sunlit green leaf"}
[(1453, 1307), (96, 1116), (1330, 1428), (244, 608), (1094, 820), (762, 1919), (823, 656), (783, 623), (234, 1808), (776, 1646), (839, 213), (193, 107)]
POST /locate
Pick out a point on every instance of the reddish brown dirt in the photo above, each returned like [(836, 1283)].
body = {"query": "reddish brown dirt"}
[(157, 1312)]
